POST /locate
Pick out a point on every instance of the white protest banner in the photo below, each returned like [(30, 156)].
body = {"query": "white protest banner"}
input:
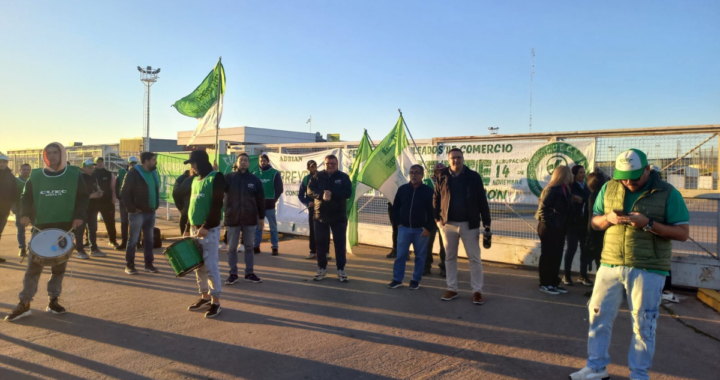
[(515, 172), (293, 168)]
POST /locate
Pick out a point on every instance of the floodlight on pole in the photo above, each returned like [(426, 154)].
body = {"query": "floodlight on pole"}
[(148, 76)]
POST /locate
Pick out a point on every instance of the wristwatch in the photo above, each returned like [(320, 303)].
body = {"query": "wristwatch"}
[(648, 227)]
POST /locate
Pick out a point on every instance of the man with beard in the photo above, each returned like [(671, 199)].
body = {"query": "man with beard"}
[(273, 188), (57, 198)]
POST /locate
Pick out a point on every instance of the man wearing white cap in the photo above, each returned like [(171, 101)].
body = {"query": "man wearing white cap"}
[(8, 190), (642, 215)]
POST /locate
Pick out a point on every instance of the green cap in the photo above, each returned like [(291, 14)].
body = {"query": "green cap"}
[(88, 162), (630, 164)]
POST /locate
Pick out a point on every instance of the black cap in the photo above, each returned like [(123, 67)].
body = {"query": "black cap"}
[(197, 156)]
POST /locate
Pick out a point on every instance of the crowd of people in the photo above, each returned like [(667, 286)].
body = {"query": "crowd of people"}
[(624, 225)]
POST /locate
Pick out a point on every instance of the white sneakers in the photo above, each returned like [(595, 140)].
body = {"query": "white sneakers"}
[(320, 275), (588, 373), (342, 276)]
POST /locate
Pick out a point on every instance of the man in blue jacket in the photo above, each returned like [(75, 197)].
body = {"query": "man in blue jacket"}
[(413, 212)]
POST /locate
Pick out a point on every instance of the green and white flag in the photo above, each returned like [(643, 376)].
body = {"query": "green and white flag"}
[(206, 102), (358, 189), (388, 166)]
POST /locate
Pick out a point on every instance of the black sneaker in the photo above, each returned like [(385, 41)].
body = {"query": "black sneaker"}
[(2, 260), (252, 278), (232, 279), (21, 310), (121, 247), (394, 284), (443, 274), (391, 255), (414, 285), (256, 250), (274, 251), (55, 307), (150, 268), (214, 311), (427, 272), (130, 269), (113, 244), (202, 302), (560, 289), (23, 252)]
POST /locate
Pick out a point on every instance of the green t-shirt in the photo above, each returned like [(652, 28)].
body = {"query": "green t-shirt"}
[(152, 187), (676, 211)]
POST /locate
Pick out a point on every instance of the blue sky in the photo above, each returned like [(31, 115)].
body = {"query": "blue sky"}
[(68, 69)]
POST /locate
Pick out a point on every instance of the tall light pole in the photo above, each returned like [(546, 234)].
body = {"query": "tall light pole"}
[(148, 76)]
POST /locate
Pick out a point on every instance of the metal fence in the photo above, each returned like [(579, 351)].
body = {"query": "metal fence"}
[(686, 157)]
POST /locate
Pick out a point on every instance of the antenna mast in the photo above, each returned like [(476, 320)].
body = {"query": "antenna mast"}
[(532, 72)]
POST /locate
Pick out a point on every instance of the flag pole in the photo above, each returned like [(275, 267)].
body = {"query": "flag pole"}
[(413, 140), (370, 140), (217, 115)]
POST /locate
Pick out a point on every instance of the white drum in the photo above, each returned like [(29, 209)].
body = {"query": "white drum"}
[(47, 248)]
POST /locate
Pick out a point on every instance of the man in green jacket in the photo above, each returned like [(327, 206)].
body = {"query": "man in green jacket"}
[(641, 215), (273, 188)]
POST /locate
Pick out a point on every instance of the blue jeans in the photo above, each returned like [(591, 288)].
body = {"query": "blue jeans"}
[(208, 274), (20, 232), (322, 242), (405, 237), (644, 290), (272, 223), (144, 221), (233, 235)]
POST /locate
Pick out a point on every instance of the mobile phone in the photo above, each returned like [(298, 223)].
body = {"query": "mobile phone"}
[(620, 212)]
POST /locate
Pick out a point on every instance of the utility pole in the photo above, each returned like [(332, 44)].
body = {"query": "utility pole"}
[(532, 73), (148, 76)]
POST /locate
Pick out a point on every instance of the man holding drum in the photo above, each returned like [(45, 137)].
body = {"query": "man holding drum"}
[(57, 197), (206, 203)]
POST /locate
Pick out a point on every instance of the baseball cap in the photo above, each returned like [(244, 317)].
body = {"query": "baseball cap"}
[(439, 166), (197, 156), (88, 162), (98, 159), (132, 159), (630, 164), (4, 157)]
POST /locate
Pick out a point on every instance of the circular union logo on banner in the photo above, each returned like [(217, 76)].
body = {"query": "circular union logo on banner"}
[(546, 159)]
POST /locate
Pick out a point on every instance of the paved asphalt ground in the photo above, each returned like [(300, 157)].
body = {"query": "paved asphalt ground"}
[(289, 327)]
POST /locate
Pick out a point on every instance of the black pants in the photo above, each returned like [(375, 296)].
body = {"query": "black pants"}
[(4, 214), (429, 256), (394, 229), (322, 239), (552, 241), (124, 225), (184, 226), (573, 237), (107, 210), (311, 224), (90, 225)]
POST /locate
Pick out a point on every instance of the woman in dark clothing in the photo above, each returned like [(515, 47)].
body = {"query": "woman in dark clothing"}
[(577, 227), (593, 241), (553, 211), (181, 196)]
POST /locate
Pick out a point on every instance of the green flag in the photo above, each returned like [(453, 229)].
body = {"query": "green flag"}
[(388, 166), (358, 189), (206, 102)]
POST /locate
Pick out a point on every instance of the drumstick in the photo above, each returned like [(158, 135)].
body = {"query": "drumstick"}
[(63, 237)]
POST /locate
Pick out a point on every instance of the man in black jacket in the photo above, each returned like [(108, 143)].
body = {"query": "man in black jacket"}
[(181, 196), (459, 203), (8, 190), (330, 190), (106, 203), (577, 230), (244, 208), (141, 196), (124, 218), (54, 197), (204, 213), (90, 222), (413, 213), (434, 233)]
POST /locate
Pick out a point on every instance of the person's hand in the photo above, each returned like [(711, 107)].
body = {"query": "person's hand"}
[(637, 220), (425, 232), (327, 195), (311, 204), (614, 218), (25, 221), (202, 232), (577, 199), (77, 223), (216, 167), (261, 225)]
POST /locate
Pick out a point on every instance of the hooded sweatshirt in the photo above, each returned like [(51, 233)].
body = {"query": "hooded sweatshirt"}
[(46, 175)]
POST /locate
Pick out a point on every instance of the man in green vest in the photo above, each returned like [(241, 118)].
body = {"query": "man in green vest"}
[(273, 188), (25, 170), (124, 219), (642, 215), (204, 214), (57, 198)]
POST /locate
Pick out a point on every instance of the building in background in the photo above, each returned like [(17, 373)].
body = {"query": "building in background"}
[(246, 136)]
